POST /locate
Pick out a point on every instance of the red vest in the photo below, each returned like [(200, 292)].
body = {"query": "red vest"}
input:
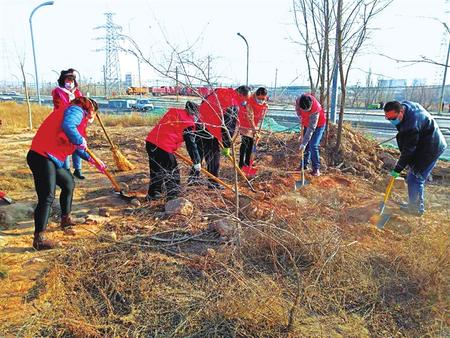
[(168, 133), (61, 98), (213, 107), (51, 139), (316, 107), (258, 112)]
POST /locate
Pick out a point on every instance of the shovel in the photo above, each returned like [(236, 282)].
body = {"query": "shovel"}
[(5, 198), (383, 218), (117, 189), (302, 182)]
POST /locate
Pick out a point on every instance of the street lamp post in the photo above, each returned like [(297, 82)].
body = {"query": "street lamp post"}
[(48, 3), (245, 40)]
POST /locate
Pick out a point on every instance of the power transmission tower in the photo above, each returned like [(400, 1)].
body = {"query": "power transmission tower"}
[(113, 80)]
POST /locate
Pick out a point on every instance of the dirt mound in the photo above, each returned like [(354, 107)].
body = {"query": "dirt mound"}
[(358, 154)]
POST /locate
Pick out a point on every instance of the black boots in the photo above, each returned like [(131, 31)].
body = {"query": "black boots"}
[(77, 173)]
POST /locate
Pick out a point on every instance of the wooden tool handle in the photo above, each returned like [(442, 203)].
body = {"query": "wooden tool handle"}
[(206, 172), (107, 173), (104, 130)]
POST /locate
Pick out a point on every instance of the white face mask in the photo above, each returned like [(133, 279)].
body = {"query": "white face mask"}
[(69, 85)]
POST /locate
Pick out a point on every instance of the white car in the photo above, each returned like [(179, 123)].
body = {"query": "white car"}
[(143, 105)]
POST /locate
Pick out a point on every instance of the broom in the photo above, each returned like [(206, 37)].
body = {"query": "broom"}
[(121, 161)]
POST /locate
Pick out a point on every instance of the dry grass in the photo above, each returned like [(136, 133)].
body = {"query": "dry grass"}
[(14, 116), (131, 120)]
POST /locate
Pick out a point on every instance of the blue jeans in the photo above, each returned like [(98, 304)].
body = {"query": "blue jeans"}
[(312, 148), (76, 160), (416, 187)]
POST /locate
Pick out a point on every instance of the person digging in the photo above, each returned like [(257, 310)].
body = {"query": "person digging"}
[(161, 144), (219, 113), (312, 121), (420, 142), (59, 136)]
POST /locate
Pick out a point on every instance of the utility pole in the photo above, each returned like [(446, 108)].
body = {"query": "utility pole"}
[(275, 86), (208, 70), (104, 82), (176, 83), (441, 97), (27, 97)]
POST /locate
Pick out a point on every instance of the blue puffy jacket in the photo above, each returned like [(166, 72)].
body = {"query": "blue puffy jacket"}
[(419, 139)]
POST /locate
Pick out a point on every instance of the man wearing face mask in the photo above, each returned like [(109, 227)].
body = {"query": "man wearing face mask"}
[(66, 91), (420, 142)]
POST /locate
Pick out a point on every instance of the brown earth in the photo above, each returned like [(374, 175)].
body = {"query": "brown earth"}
[(175, 276)]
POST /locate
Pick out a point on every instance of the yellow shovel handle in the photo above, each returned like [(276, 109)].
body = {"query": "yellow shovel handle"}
[(389, 189)]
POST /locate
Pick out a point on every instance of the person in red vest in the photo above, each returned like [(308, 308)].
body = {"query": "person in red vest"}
[(66, 91), (218, 113), (59, 136), (313, 120), (249, 120), (161, 143)]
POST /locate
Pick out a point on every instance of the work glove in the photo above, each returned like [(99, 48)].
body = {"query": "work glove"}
[(197, 167), (302, 148), (395, 174), (226, 152), (99, 165), (83, 144)]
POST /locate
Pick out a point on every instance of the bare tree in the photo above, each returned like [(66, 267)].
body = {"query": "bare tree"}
[(352, 24), (315, 22)]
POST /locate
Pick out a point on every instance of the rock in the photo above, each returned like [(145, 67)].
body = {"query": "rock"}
[(107, 236), (128, 211), (388, 160), (93, 219), (399, 183), (180, 206), (12, 213), (124, 187), (135, 202), (222, 227), (159, 215), (105, 212)]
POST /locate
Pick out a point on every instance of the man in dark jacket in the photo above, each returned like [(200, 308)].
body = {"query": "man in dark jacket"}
[(420, 142)]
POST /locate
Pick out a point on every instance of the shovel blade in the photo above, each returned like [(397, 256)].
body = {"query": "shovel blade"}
[(383, 220), (249, 171), (300, 184)]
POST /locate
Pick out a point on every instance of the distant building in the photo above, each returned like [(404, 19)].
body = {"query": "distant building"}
[(130, 80), (391, 83)]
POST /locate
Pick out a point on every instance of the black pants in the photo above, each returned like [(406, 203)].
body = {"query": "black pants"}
[(245, 151), (209, 149), (164, 172), (46, 177)]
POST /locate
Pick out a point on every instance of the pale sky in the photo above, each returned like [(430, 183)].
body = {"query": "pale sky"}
[(65, 37)]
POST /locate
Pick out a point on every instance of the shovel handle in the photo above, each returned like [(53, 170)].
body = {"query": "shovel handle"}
[(206, 172), (388, 189), (107, 173)]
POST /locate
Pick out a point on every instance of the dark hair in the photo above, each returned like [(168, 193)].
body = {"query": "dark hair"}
[(66, 73), (393, 105), (85, 103), (191, 108), (243, 90), (261, 91), (305, 102)]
